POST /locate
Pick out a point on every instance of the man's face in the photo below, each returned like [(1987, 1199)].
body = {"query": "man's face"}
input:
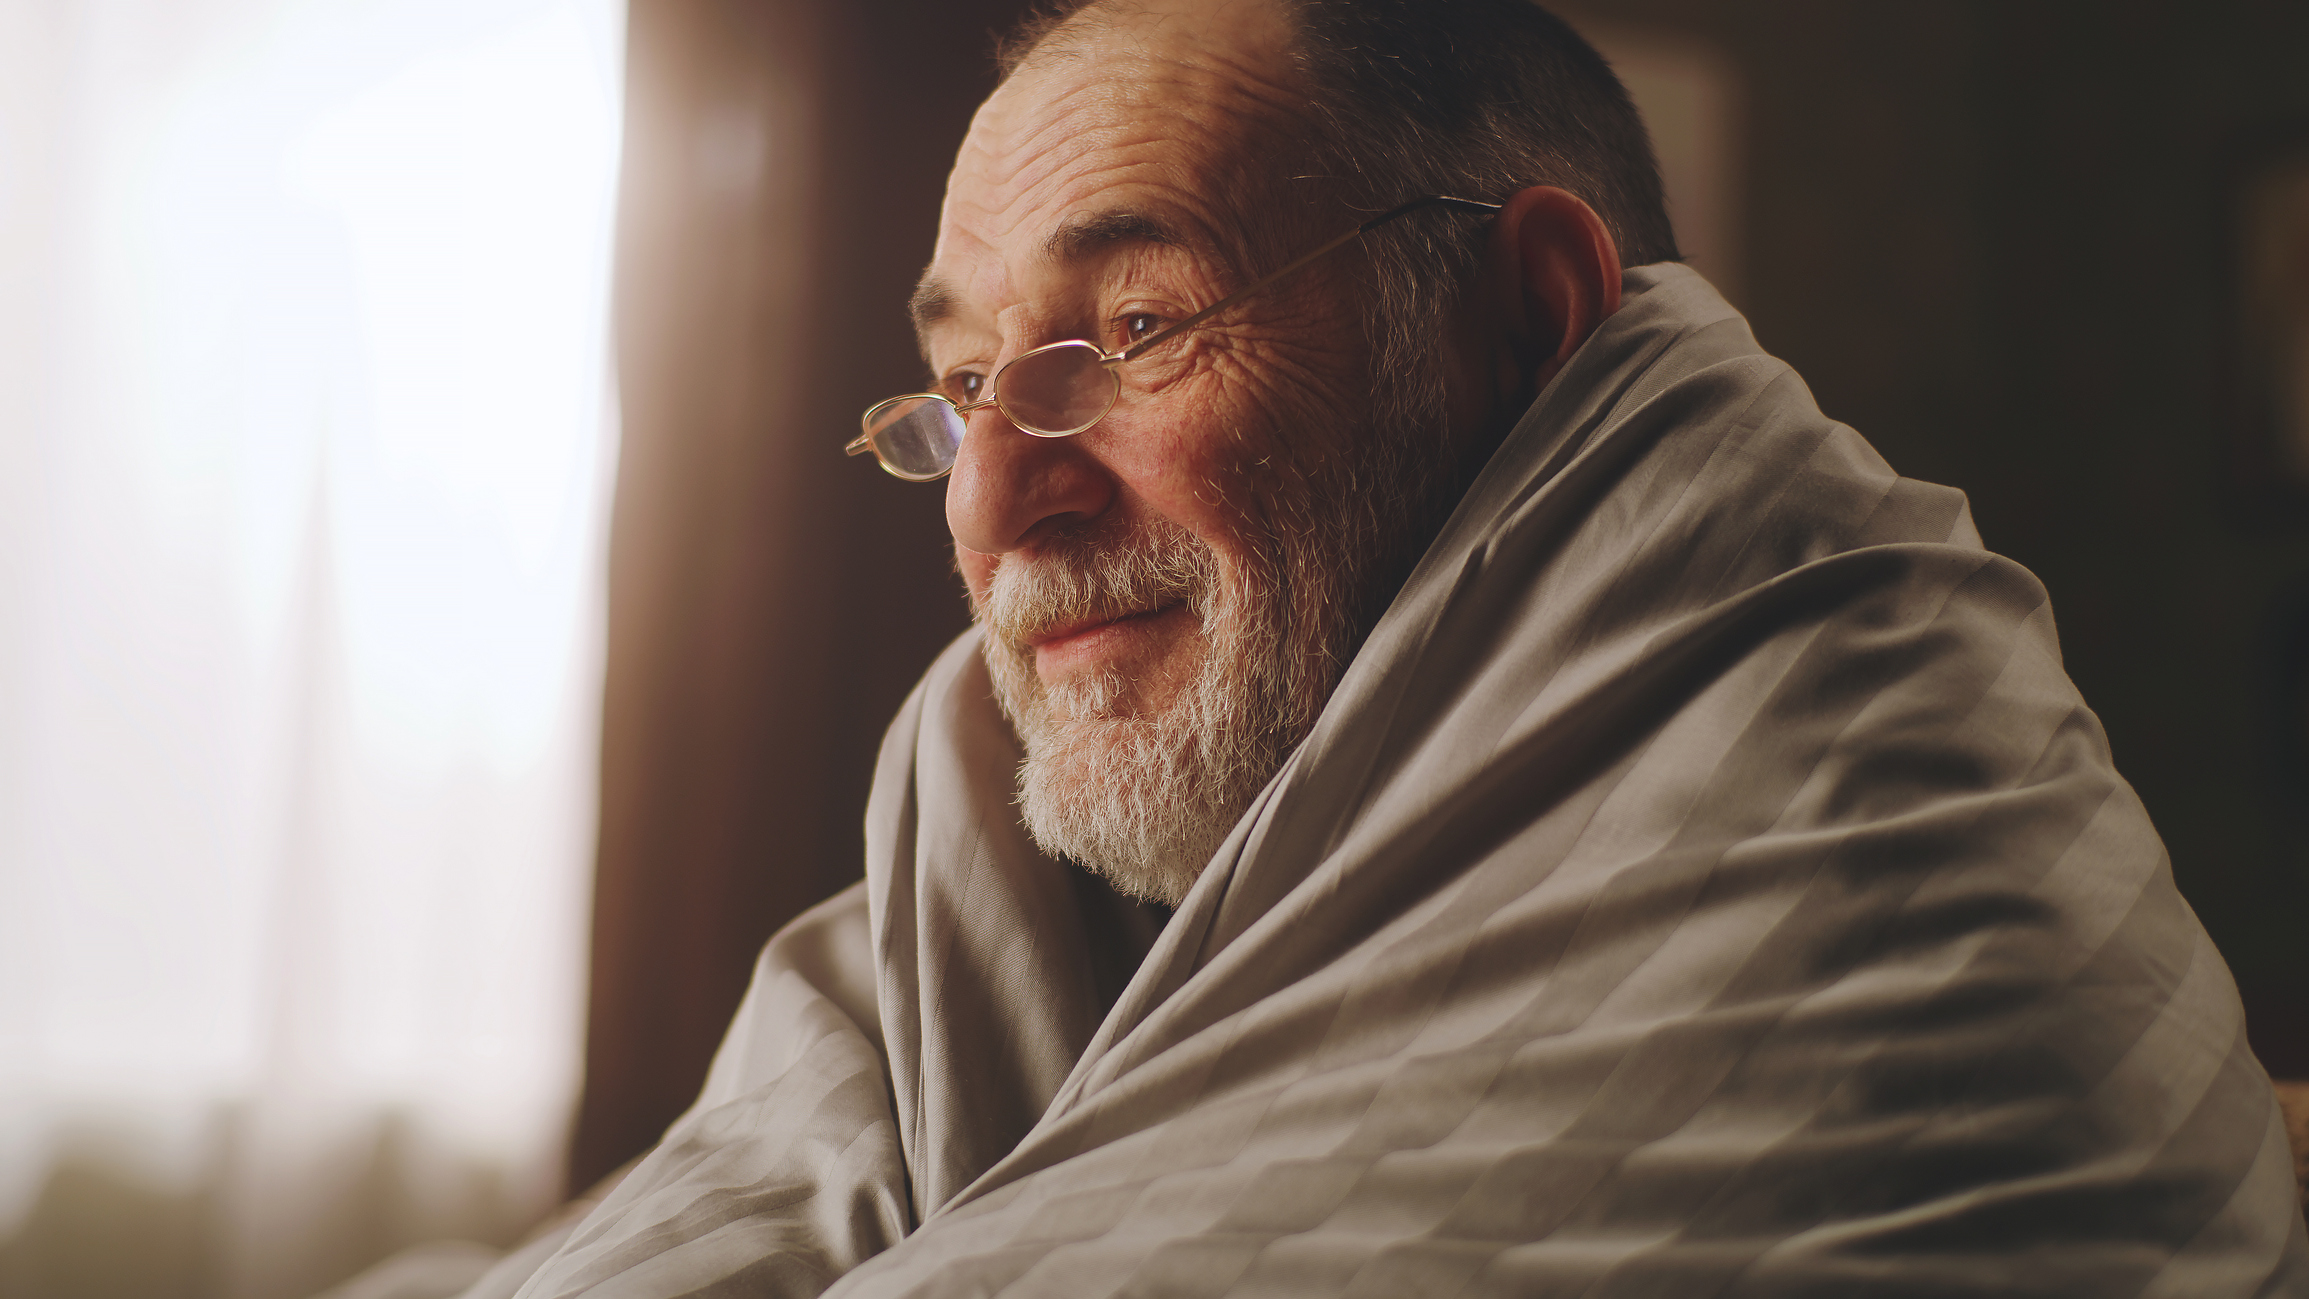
[(1166, 594)]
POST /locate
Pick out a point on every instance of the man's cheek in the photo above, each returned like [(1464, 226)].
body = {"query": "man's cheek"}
[(977, 572), (1272, 412), (1204, 434)]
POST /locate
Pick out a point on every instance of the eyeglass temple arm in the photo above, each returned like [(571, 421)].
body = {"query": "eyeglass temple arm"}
[(1132, 352)]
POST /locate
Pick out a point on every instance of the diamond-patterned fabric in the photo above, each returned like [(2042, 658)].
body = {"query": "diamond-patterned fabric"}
[(1705, 881)]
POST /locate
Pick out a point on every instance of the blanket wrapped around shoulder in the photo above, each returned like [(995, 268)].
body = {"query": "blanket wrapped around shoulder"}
[(1704, 881)]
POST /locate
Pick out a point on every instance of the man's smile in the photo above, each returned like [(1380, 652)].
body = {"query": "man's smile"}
[(1103, 641)]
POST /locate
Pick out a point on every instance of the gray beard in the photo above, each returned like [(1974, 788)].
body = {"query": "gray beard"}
[(1140, 795), (1145, 796)]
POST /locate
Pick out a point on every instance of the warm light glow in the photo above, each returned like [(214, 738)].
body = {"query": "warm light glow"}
[(303, 476)]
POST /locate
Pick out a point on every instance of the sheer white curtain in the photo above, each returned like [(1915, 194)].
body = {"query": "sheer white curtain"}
[(304, 444)]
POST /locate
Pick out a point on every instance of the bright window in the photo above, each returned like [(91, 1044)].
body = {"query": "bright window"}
[(304, 453)]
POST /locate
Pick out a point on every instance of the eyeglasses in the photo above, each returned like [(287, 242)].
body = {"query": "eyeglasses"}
[(1058, 389)]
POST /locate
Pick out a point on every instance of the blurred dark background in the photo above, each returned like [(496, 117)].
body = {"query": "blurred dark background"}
[(1998, 239)]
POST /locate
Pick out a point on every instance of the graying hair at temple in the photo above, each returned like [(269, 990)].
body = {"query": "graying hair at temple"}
[(1478, 98)]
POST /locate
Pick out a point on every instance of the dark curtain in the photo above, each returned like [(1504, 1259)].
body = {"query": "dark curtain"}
[(771, 602)]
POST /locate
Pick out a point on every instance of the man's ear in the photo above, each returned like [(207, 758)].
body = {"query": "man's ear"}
[(1555, 274)]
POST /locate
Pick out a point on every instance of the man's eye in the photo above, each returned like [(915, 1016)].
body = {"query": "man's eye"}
[(962, 386), (1138, 326)]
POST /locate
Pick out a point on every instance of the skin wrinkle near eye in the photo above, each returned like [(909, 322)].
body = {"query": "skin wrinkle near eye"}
[(1140, 250), (1145, 269)]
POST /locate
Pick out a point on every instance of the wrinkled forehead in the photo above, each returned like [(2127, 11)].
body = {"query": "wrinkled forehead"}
[(1157, 119)]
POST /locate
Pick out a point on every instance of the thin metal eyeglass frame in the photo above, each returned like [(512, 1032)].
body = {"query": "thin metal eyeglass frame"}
[(864, 442)]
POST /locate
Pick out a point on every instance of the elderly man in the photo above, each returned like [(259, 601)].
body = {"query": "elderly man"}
[(1464, 782)]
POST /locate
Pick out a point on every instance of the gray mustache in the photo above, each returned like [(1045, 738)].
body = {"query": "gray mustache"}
[(1102, 574)]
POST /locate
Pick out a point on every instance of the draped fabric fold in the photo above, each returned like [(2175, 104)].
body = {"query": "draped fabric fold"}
[(1704, 880)]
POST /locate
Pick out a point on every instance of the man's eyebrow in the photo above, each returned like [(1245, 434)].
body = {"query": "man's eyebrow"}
[(932, 302), (1083, 237)]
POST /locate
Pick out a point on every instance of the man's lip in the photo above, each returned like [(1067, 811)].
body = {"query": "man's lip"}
[(1082, 626)]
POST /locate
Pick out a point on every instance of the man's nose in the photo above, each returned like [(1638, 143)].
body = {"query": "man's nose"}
[(1010, 489)]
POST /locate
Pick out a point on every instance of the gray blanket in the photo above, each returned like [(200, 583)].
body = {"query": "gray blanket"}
[(1705, 881)]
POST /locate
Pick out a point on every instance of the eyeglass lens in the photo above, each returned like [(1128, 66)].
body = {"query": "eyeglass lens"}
[(1058, 390), (916, 437)]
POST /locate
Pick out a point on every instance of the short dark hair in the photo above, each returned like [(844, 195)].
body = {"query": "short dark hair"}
[(1477, 98)]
